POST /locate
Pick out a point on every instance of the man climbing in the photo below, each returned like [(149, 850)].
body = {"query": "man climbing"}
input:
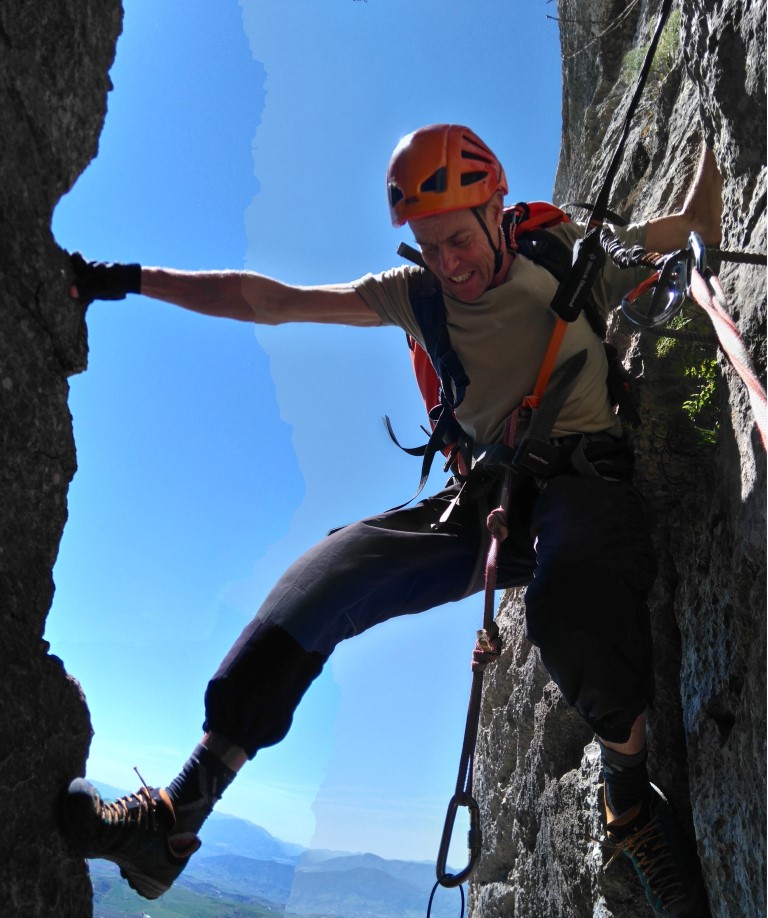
[(578, 540)]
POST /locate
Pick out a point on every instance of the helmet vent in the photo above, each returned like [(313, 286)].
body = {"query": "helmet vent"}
[(437, 182), (469, 154), (469, 178), (395, 194)]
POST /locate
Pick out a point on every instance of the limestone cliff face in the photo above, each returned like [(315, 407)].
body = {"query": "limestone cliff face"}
[(54, 62), (538, 768)]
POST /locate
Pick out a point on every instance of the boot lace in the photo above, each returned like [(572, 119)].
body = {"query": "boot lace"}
[(649, 849), (138, 810)]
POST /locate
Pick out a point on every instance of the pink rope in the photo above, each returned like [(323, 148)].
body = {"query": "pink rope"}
[(709, 294), (488, 647), (497, 524)]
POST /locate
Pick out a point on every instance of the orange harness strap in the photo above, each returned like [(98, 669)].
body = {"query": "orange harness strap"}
[(547, 364)]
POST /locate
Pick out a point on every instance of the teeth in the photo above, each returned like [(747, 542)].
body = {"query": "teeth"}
[(461, 278)]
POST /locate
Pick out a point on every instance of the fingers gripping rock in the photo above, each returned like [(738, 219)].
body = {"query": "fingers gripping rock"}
[(98, 280)]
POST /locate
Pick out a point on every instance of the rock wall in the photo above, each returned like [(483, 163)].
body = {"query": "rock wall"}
[(54, 60), (538, 768)]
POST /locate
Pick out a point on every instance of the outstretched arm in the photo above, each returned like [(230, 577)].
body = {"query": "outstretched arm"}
[(702, 211), (253, 297), (240, 295)]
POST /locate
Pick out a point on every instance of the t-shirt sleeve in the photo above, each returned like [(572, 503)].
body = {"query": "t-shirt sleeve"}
[(612, 283), (387, 295)]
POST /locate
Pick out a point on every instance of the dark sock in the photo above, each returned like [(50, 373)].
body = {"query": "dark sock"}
[(198, 788), (626, 778)]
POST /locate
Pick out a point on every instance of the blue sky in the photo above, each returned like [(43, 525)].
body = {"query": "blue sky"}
[(211, 453)]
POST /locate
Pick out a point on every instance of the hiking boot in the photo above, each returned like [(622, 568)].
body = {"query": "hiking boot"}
[(663, 857), (132, 831)]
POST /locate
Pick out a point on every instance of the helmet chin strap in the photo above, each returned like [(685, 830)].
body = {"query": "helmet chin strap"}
[(498, 251)]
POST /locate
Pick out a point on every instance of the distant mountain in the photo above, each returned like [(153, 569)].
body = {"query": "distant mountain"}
[(407, 871), (229, 835), (231, 874), (365, 892)]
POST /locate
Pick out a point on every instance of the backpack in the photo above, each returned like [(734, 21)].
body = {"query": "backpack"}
[(439, 374)]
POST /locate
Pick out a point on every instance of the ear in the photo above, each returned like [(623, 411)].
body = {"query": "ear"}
[(496, 209)]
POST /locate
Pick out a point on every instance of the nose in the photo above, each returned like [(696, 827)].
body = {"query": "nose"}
[(448, 260)]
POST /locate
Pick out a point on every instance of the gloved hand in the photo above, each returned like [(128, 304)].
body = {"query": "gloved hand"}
[(98, 280)]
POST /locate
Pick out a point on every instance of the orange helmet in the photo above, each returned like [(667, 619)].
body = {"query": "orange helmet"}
[(438, 168)]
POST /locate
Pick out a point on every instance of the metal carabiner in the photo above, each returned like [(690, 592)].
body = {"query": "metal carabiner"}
[(659, 297), (698, 252), (474, 841)]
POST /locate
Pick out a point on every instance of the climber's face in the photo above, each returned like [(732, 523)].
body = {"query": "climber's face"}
[(457, 251)]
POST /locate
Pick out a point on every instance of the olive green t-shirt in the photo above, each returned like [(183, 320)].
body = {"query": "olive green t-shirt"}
[(501, 339)]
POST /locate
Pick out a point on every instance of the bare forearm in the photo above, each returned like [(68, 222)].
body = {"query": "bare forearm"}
[(212, 293), (702, 212)]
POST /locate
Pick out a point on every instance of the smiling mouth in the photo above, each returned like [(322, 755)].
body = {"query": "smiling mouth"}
[(460, 278)]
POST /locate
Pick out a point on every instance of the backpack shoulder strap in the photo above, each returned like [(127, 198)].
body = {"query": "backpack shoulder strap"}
[(526, 228), (426, 298), (439, 372)]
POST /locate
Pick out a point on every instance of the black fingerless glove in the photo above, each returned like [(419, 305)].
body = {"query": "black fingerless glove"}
[(98, 280)]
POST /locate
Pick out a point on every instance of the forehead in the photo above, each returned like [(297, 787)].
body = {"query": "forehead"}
[(442, 227)]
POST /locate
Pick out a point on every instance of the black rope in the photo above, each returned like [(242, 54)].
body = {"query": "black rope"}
[(601, 205), (571, 296), (432, 896), (744, 258)]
